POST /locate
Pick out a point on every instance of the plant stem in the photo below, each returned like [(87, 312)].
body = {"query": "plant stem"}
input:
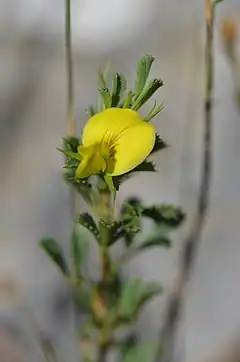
[(71, 127), (69, 63), (188, 255), (102, 357)]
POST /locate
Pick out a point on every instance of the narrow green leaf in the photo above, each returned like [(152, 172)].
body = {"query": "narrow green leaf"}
[(128, 101), (123, 86), (143, 70), (101, 80), (106, 97), (215, 2), (150, 291), (51, 247), (117, 89), (75, 156), (87, 221), (146, 94), (79, 248), (71, 143), (151, 111), (160, 241), (154, 112)]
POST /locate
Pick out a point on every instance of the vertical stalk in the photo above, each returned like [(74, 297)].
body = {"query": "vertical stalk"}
[(190, 247), (71, 128)]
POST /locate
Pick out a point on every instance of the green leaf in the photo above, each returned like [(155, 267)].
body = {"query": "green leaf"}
[(145, 166), (101, 80), (166, 215), (135, 294), (119, 86), (215, 2), (157, 241), (159, 145), (129, 298), (141, 353), (150, 290), (75, 156), (87, 221), (143, 70), (128, 100), (154, 112), (146, 94), (51, 247), (131, 218), (79, 248), (71, 144), (106, 97)]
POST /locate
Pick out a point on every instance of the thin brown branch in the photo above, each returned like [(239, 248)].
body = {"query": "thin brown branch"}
[(190, 246)]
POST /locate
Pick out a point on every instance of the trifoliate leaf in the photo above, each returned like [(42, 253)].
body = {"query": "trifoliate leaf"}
[(53, 250), (87, 221)]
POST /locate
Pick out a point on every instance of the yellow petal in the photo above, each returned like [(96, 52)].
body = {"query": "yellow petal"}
[(108, 123), (92, 162), (132, 148)]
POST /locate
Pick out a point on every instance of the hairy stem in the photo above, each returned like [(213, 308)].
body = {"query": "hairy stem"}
[(190, 246)]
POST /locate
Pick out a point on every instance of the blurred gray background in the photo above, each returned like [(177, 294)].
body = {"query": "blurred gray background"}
[(33, 197)]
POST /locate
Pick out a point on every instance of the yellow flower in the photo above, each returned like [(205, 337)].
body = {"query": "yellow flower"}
[(114, 142)]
